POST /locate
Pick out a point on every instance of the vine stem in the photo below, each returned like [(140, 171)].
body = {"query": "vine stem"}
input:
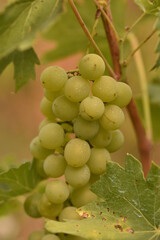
[(85, 29), (144, 144), (140, 45), (143, 84)]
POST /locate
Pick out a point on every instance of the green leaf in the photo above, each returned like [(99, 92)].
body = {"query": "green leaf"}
[(18, 181), (69, 35), (149, 6), (22, 20), (24, 65), (129, 206)]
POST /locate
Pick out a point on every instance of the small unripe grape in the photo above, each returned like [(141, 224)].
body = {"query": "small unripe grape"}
[(102, 138), (77, 177), (77, 152), (30, 205), (48, 209), (68, 128), (54, 165), (53, 78), (91, 108), (50, 237), (82, 196), (85, 129), (51, 136), (46, 109), (116, 142), (124, 95), (69, 213), (57, 191), (51, 96), (112, 118), (91, 66), (65, 109), (77, 88), (105, 88), (98, 160), (37, 150)]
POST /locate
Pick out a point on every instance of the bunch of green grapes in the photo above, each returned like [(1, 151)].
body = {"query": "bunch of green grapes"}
[(83, 114)]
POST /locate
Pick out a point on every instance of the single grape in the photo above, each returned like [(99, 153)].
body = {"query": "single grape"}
[(51, 136), (77, 88), (105, 88), (98, 160), (82, 196), (77, 177), (51, 96), (77, 152), (69, 213), (65, 109), (48, 209), (91, 108), (57, 191), (39, 167), (53, 78), (45, 122), (54, 165), (91, 66), (50, 237), (124, 95), (101, 139), (68, 128), (116, 142), (46, 109), (37, 235), (37, 150), (30, 205), (85, 129), (112, 118)]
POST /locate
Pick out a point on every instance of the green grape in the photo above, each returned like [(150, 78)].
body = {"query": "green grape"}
[(82, 196), (53, 78), (112, 118), (116, 142), (39, 167), (69, 213), (51, 96), (46, 109), (54, 165), (77, 152), (57, 191), (65, 109), (77, 88), (101, 139), (45, 122), (98, 160), (124, 95), (77, 177), (68, 128), (85, 129), (50, 237), (48, 209), (105, 88), (30, 205), (51, 136), (91, 66), (37, 235), (37, 150), (91, 108)]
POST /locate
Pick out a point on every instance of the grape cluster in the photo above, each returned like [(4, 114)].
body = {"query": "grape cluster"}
[(83, 114)]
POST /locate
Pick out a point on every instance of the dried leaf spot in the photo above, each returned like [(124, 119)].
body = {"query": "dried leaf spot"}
[(118, 226), (129, 230)]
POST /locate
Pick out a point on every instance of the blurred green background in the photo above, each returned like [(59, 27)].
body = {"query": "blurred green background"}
[(20, 116)]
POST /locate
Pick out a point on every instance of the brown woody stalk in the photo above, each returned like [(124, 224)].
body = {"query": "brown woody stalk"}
[(144, 144)]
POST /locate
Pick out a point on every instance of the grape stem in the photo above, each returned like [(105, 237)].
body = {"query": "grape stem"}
[(144, 144), (85, 29)]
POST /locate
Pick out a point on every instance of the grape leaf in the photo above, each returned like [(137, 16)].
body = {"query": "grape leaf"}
[(129, 206), (24, 65), (69, 36), (18, 181), (157, 27), (149, 6)]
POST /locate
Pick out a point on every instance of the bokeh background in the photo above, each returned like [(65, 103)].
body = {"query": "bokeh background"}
[(20, 117)]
